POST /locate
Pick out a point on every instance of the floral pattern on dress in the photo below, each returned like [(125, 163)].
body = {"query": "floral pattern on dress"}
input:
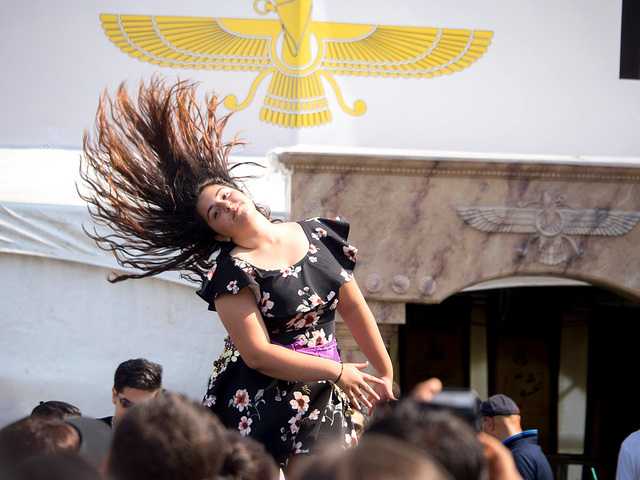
[(351, 252), (265, 303), (246, 267), (245, 426), (313, 338), (319, 233), (229, 354), (298, 305), (291, 271), (211, 272), (233, 286)]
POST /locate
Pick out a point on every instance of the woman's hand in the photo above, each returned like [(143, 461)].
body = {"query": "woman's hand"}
[(355, 384), (384, 391)]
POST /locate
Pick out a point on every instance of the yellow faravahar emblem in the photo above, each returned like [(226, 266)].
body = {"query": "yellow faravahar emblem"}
[(296, 52)]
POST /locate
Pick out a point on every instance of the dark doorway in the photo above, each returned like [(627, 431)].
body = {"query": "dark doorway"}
[(523, 335), (435, 343), (612, 410), (524, 330)]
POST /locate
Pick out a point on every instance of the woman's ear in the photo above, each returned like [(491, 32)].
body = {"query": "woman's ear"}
[(223, 238)]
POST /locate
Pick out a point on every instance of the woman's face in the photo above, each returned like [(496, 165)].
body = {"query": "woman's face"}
[(225, 209)]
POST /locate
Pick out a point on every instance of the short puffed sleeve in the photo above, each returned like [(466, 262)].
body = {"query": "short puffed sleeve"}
[(334, 233), (229, 275)]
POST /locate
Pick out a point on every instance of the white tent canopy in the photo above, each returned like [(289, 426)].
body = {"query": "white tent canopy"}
[(64, 328)]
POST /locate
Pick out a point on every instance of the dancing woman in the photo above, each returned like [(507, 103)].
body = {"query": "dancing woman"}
[(157, 168)]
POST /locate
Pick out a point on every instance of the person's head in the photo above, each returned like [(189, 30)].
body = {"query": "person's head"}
[(135, 381), (165, 438), (358, 420), (55, 410), (226, 210), (247, 459), (377, 457), (145, 166), (501, 417), (57, 467), (33, 436), (438, 433)]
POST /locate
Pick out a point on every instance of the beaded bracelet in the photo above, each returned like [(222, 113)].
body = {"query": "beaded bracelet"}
[(341, 370)]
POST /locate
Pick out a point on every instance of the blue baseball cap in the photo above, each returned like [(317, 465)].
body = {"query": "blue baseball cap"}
[(499, 405)]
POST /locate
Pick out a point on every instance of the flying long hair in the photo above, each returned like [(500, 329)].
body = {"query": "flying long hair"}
[(145, 164)]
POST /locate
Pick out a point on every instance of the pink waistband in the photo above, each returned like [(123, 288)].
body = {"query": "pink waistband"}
[(327, 350)]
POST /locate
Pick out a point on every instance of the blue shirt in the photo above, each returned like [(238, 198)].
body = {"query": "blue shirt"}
[(529, 457)]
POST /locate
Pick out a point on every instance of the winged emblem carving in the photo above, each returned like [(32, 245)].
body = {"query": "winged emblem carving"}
[(550, 222), (296, 52)]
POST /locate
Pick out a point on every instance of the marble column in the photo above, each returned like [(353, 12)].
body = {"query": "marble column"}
[(388, 316)]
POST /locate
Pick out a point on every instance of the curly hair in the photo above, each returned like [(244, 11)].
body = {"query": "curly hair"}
[(145, 165)]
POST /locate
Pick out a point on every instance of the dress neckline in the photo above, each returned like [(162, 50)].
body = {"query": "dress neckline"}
[(304, 257)]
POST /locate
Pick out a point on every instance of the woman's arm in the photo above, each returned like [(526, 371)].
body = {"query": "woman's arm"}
[(243, 321), (356, 314)]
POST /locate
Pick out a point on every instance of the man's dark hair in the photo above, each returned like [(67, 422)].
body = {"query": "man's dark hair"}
[(138, 373), (35, 436), (247, 459), (57, 467), (440, 433), (377, 457), (168, 437), (55, 410)]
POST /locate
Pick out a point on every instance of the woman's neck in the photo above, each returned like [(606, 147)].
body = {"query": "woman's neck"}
[(260, 233)]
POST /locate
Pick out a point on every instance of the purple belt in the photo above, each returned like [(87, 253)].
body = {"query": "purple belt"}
[(326, 350)]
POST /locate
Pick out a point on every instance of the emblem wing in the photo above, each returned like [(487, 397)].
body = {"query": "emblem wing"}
[(399, 51), (598, 222), (192, 42), (500, 219)]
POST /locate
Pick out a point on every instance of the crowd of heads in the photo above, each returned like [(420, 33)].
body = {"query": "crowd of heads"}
[(156, 434)]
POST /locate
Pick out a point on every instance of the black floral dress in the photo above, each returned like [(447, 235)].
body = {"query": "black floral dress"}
[(298, 306)]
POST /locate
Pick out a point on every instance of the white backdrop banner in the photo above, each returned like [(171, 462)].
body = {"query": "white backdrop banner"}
[(479, 76)]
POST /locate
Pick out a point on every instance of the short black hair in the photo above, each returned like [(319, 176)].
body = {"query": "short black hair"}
[(168, 437), (55, 410), (138, 373)]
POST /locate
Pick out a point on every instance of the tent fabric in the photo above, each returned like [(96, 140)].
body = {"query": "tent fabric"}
[(64, 328)]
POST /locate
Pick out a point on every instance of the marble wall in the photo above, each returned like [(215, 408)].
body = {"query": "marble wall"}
[(428, 227)]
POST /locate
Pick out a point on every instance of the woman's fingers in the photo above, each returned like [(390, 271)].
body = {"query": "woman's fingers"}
[(360, 397), (372, 392), (372, 379), (356, 384), (354, 400)]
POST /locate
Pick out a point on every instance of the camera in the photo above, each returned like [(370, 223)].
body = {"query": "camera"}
[(462, 402)]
